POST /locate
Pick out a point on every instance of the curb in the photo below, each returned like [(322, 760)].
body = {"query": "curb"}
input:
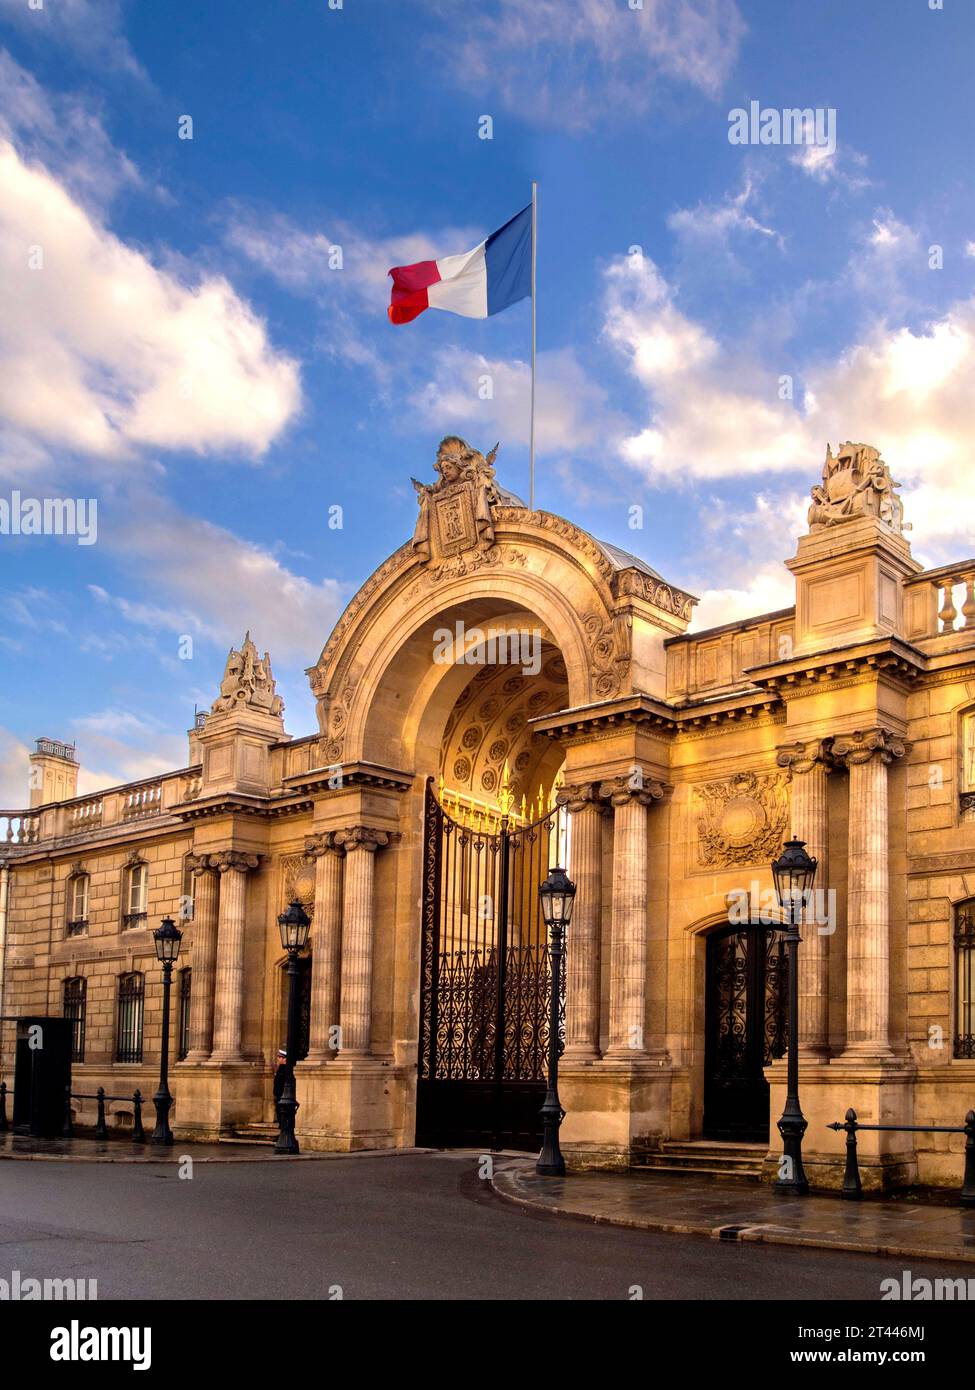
[(758, 1234), (177, 1155)]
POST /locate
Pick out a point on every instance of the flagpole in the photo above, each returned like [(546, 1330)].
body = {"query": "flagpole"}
[(531, 445)]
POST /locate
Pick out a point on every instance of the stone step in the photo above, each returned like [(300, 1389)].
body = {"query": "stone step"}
[(256, 1133), (245, 1139), (704, 1158)]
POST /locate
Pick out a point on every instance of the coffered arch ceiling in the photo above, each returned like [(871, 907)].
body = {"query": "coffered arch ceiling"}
[(488, 728)]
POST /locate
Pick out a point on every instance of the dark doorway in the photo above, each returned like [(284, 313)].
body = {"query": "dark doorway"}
[(484, 981), (745, 1029)]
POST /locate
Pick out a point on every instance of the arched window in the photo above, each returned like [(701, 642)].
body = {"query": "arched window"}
[(77, 903), (965, 979), (128, 1035), (135, 890), (75, 1005), (183, 1029)]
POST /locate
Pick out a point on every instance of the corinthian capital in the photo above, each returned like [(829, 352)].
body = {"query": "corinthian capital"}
[(365, 837), (232, 860), (646, 790), (804, 755), (326, 843), (578, 796), (864, 744), (200, 864)]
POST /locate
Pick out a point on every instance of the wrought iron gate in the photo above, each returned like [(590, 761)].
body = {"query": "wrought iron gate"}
[(745, 1007), (484, 978)]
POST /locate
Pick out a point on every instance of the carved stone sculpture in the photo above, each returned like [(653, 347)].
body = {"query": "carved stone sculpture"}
[(247, 680), (856, 482), (455, 511)]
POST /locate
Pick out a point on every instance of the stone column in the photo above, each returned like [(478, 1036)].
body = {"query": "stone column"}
[(229, 992), (867, 755), (326, 944), (628, 955), (810, 765), (360, 843), (205, 898), (583, 937)]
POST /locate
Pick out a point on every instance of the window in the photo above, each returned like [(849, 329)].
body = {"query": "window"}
[(136, 884), (75, 1003), (183, 1032), (185, 913), (965, 979), (968, 766), (77, 904), (131, 996)]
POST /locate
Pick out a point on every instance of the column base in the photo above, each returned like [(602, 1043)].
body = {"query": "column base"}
[(614, 1108), (579, 1054)]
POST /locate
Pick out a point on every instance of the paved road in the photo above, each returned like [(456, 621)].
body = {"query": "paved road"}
[(417, 1226)]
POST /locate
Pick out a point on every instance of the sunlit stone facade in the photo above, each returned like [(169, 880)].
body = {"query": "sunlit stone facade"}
[(683, 760)]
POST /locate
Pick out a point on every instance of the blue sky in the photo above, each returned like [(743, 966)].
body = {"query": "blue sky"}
[(185, 355)]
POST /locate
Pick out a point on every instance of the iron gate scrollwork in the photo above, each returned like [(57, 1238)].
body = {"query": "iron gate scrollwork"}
[(484, 978), (746, 1028)]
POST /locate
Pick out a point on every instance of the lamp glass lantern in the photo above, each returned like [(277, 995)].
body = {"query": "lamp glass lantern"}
[(557, 895), (294, 926), (167, 937), (793, 873)]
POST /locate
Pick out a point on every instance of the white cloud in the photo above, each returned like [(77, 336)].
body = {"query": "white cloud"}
[(14, 771), (715, 224), (715, 414), (568, 65), (103, 353), (571, 413), (215, 585), (91, 29)]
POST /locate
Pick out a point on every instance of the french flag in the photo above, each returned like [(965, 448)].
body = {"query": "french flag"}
[(476, 283)]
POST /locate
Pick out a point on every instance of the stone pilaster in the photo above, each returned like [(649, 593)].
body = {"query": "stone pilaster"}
[(228, 1010), (205, 898), (326, 943), (360, 843), (867, 754), (583, 937), (810, 763), (628, 956)]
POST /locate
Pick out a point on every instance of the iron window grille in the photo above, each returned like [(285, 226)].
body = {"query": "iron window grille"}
[(75, 1008), (183, 1033), (131, 1000), (965, 980)]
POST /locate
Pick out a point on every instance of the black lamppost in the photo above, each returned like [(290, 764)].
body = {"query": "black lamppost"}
[(556, 895), (294, 926), (167, 938), (793, 873)]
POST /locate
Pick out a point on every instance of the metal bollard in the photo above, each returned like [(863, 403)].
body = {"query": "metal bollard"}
[(138, 1133), (968, 1184), (851, 1175), (66, 1128), (101, 1128), (3, 1108)]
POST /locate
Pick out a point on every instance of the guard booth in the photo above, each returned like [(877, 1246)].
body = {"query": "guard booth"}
[(42, 1075)]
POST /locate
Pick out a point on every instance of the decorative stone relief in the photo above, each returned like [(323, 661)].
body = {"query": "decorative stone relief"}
[(247, 680), (742, 820), (298, 880), (864, 744)]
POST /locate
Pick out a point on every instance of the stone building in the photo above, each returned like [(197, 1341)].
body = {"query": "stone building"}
[(503, 691)]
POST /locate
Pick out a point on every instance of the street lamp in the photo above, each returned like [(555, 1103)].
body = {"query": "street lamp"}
[(556, 895), (294, 925), (167, 938), (793, 872)]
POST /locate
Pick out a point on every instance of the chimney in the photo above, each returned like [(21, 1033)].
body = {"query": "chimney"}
[(53, 772)]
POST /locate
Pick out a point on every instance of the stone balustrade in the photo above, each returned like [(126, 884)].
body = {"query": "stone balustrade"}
[(942, 601), (18, 828)]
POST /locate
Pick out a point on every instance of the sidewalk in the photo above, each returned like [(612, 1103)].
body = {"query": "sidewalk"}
[(745, 1211), (84, 1150)]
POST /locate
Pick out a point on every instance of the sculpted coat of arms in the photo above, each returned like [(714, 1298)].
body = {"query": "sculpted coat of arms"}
[(742, 820), (856, 482), (455, 511)]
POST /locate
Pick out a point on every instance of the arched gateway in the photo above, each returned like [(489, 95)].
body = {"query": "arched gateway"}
[(504, 691)]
